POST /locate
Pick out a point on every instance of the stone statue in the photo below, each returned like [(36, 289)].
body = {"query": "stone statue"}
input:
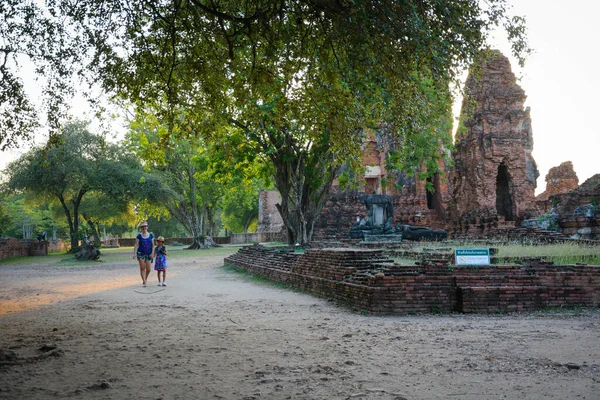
[(378, 224), (379, 219), (421, 233)]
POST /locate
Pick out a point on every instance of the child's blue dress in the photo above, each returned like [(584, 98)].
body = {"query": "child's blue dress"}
[(161, 259)]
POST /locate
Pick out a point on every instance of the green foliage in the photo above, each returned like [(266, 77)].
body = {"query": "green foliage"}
[(80, 167), (29, 32), (166, 226), (552, 221), (239, 206), (563, 253), (36, 216), (292, 83), (436, 307), (179, 156), (5, 220)]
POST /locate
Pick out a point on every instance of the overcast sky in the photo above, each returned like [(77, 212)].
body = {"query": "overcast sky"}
[(561, 81)]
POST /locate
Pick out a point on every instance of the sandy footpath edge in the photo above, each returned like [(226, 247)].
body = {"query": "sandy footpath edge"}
[(211, 334)]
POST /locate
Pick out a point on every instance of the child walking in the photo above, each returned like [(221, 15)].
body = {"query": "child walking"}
[(160, 265)]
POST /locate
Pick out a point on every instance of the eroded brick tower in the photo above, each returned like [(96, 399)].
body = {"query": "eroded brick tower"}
[(494, 177)]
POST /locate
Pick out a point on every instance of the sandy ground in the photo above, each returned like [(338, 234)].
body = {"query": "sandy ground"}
[(95, 333)]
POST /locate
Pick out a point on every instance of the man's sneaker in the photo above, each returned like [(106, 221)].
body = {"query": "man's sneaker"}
[(159, 284), (164, 284), (143, 285)]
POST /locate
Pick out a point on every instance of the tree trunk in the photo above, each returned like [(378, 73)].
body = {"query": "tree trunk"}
[(88, 252), (248, 222), (304, 190), (93, 227), (73, 219), (198, 239), (196, 223), (74, 242)]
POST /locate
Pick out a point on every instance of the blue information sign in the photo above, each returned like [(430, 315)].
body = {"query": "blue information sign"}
[(472, 256)]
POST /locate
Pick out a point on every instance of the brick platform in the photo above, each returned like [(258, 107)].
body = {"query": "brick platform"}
[(366, 280), (11, 247)]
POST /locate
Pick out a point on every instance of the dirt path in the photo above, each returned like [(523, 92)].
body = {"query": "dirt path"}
[(213, 334)]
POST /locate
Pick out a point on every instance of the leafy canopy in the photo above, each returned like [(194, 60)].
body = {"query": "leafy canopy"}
[(78, 167), (319, 64)]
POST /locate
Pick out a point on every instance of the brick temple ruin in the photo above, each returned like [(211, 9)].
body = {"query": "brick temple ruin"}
[(490, 189), (559, 180), (366, 280), (494, 178)]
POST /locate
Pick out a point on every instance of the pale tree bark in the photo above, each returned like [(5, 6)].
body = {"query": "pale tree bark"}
[(186, 210), (304, 183), (72, 218), (304, 173)]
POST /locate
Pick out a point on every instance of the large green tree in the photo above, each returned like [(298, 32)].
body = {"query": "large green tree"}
[(28, 217), (79, 164), (298, 79), (31, 33), (239, 206), (179, 157), (98, 208), (5, 218)]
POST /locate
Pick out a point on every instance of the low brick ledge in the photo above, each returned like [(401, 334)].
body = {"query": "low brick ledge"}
[(385, 288)]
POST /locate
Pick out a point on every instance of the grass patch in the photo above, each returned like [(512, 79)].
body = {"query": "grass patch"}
[(51, 258), (258, 279), (107, 255), (574, 311), (404, 260), (560, 253)]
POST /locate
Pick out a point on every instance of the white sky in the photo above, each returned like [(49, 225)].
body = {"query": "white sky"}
[(561, 80)]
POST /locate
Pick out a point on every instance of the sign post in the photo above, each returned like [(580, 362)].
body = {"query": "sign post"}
[(472, 256)]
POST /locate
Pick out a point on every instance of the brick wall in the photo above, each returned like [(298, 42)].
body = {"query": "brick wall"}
[(11, 248), (367, 281), (21, 248), (338, 215), (259, 237), (35, 247)]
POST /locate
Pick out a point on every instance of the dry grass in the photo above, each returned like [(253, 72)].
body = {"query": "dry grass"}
[(560, 253)]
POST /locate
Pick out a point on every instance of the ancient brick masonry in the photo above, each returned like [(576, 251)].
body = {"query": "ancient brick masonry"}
[(367, 281), (12, 248), (559, 180), (494, 178), (21, 248), (338, 214), (579, 210), (414, 205), (343, 206), (489, 190)]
